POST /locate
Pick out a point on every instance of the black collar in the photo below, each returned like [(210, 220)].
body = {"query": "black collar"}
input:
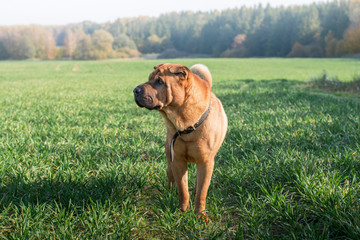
[(187, 130)]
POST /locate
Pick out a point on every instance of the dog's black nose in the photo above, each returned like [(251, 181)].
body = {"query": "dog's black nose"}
[(137, 91)]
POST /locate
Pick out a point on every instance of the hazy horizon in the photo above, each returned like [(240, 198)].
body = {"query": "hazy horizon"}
[(42, 12)]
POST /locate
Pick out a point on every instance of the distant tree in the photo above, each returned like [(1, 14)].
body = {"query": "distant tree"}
[(17, 42), (171, 53), (123, 41), (127, 53), (182, 30), (70, 41), (311, 50), (238, 40), (298, 50), (333, 46), (59, 34), (3, 52), (117, 28), (352, 40), (257, 17), (155, 44), (124, 47), (102, 42), (25, 48), (281, 34), (334, 17), (308, 24), (216, 36), (28, 42), (138, 28), (236, 53), (90, 27), (237, 48), (352, 34), (256, 42), (354, 12), (43, 41), (7, 40), (84, 49)]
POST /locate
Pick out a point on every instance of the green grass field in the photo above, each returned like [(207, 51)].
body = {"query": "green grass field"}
[(79, 159)]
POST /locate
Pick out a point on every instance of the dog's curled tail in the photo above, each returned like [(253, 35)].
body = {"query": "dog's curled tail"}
[(203, 72)]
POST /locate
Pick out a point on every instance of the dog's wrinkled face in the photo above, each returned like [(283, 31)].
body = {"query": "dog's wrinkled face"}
[(157, 93)]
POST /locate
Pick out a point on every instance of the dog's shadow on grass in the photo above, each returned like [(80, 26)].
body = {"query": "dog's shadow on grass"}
[(68, 193)]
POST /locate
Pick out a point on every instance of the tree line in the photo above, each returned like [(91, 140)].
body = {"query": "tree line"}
[(330, 29)]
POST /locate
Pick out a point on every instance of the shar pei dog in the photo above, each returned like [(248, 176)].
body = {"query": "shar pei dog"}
[(196, 124)]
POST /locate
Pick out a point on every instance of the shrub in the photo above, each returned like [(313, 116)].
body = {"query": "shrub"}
[(332, 83), (171, 53), (127, 52), (236, 53)]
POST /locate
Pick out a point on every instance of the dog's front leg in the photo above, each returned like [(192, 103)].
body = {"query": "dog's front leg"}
[(180, 172), (203, 177), (170, 175)]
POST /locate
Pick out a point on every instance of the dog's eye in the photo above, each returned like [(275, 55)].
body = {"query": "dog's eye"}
[(159, 81)]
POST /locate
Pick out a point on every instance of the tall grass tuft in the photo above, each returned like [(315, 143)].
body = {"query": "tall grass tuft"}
[(332, 83)]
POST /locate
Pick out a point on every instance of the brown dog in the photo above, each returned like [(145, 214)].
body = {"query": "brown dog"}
[(196, 124)]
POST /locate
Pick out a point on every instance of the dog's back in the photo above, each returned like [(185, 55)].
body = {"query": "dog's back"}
[(203, 72)]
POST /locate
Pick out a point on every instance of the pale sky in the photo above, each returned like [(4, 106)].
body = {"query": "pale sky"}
[(62, 12)]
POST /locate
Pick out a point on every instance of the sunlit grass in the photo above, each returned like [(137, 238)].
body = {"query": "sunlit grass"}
[(79, 159)]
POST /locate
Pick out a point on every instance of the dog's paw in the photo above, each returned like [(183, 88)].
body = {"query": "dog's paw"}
[(204, 217)]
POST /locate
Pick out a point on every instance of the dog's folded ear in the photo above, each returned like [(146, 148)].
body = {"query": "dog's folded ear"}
[(180, 71), (157, 66)]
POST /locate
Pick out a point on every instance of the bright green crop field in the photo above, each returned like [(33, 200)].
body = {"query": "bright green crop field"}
[(80, 160)]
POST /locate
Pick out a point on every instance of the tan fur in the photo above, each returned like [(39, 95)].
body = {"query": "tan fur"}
[(182, 99)]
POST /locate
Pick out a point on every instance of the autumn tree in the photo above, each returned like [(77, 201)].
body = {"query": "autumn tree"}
[(17, 42), (333, 47), (102, 42), (238, 49), (352, 34), (70, 41), (124, 47), (298, 50), (84, 49), (352, 40), (43, 41), (28, 42)]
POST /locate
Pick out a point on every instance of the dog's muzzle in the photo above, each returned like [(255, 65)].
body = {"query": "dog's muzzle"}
[(138, 95), (144, 100)]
